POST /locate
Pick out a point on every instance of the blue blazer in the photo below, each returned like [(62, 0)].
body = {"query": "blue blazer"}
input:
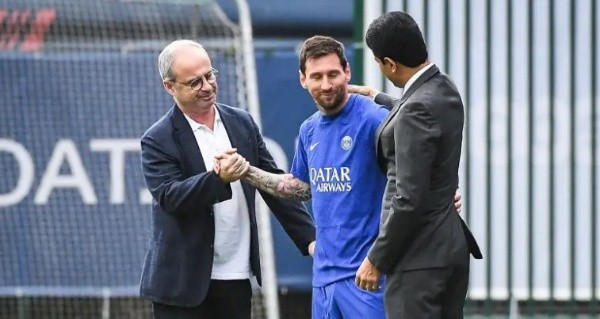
[(179, 260)]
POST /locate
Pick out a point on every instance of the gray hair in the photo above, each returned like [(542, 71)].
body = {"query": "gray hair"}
[(167, 56)]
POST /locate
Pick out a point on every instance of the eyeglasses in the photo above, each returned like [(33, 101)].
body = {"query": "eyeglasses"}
[(197, 83)]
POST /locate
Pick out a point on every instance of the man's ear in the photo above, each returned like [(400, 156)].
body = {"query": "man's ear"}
[(302, 79), (389, 63), (169, 87), (348, 72)]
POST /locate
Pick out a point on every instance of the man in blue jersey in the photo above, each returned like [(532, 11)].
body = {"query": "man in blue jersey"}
[(335, 164)]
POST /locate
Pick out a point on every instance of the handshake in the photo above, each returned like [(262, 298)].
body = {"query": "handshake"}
[(230, 166)]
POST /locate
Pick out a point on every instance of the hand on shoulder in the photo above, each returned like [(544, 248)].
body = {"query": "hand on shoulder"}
[(363, 90)]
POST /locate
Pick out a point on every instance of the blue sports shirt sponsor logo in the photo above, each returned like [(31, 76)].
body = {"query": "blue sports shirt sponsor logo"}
[(331, 179)]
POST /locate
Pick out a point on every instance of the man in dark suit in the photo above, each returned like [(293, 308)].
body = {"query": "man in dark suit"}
[(204, 243), (423, 246)]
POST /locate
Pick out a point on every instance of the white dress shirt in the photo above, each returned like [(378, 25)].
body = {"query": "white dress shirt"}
[(415, 77), (232, 221)]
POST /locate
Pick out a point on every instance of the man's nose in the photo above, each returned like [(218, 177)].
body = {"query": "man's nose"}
[(325, 84), (206, 87)]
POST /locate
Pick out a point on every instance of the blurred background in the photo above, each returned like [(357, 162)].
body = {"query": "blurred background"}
[(79, 86)]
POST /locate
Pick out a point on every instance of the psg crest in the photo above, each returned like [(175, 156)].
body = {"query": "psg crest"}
[(346, 143)]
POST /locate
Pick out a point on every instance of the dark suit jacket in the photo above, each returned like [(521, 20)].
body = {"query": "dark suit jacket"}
[(419, 146), (179, 261)]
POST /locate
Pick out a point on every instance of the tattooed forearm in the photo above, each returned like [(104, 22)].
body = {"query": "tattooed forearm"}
[(284, 186)]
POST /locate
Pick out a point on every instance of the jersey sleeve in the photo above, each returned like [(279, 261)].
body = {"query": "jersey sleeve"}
[(375, 117), (378, 115), (300, 163)]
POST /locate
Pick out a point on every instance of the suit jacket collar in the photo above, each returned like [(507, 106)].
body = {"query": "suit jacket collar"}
[(187, 141), (433, 70), (236, 130)]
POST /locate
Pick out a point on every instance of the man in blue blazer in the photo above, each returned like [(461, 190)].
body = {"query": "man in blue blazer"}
[(204, 244)]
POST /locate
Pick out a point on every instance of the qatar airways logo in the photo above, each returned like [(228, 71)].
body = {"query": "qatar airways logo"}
[(331, 179)]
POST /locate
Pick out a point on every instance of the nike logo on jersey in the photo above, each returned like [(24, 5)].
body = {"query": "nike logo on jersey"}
[(312, 146)]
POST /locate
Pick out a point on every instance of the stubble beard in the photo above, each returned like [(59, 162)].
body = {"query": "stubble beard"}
[(331, 107)]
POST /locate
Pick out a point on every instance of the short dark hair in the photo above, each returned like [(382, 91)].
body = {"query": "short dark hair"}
[(318, 46), (397, 36)]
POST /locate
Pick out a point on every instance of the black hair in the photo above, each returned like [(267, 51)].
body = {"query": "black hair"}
[(318, 46), (397, 36)]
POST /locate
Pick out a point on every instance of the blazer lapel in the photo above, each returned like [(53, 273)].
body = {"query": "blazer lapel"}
[(235, 130), (433, 70), (187, 142), (237, 134), (385, 122)]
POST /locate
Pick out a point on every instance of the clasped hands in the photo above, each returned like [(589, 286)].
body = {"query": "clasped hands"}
[(230, 166)]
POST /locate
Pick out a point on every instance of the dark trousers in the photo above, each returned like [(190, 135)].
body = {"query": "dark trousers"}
[(427, 293), (226, 299)]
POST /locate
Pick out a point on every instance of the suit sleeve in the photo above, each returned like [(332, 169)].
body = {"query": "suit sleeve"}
[(291, 214), (415, 136), (174, 193), (386, 100)]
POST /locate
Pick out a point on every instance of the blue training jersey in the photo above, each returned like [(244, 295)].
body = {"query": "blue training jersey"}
[(336, 155)]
